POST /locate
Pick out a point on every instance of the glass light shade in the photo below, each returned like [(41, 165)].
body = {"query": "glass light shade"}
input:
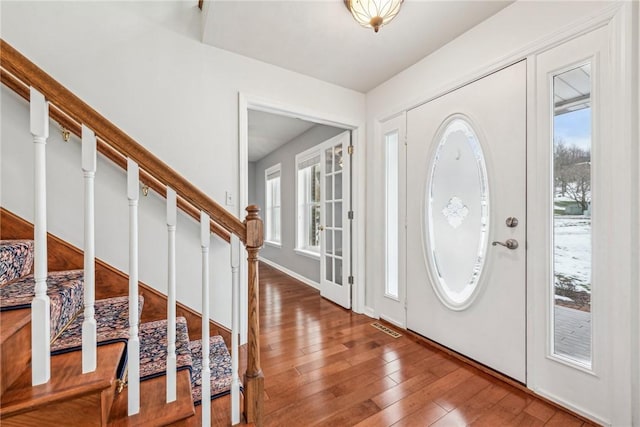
[(373, 13)]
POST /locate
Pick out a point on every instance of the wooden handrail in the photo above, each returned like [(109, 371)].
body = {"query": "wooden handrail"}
[(69, 105), (105, 149)]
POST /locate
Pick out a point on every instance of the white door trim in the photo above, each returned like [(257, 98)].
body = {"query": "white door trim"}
[(248, 101)]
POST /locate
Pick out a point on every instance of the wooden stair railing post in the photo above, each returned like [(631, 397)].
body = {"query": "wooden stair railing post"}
[(254, 378), (41, 306)]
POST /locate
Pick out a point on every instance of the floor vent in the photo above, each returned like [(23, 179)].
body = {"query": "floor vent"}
[(386, 330)]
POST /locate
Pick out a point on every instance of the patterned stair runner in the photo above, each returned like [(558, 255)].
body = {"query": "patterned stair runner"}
[(112, 325), (220, 365), (16, 259), (65, 290), (153, 348)]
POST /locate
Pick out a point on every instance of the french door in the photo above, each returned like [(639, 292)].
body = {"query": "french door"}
[(466, 220), (335, 190)]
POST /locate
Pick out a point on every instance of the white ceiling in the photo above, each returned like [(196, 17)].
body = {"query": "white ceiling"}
[(269, 131), (322, 40)]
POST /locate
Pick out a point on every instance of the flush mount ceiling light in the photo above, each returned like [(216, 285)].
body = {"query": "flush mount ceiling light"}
[(373, 13)]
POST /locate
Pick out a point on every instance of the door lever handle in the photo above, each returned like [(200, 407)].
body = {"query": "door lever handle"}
[(509, 244)]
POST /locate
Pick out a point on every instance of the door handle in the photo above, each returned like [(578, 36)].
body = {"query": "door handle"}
[(321, 228), (509, 244)]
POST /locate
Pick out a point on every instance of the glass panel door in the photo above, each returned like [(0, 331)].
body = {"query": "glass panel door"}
[(334, 253)]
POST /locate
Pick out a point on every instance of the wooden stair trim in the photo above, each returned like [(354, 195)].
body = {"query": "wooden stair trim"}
[(77, 110), (11, 321), (15, 345), (67, 382), (154, 411), (110, 282)]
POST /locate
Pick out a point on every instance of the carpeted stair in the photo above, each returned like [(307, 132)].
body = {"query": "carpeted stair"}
[(66, 293)]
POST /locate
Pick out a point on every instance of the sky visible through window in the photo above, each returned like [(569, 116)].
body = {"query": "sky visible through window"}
[(574, 128)]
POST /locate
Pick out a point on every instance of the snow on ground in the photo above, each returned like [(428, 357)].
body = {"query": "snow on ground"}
[(572, 241)]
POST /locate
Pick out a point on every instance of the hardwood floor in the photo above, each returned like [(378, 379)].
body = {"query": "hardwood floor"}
[(326, 366)]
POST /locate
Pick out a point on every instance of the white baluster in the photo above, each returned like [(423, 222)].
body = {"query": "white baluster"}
[(171, 296), (40, 307), (133, 346), (205, 234), (235, 328), (89, 338)]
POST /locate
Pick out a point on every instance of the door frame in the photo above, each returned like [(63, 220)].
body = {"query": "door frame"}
[(248, 102), (619, 19)]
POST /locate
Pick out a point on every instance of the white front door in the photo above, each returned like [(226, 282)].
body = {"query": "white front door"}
[(335, 190), (466, 206)]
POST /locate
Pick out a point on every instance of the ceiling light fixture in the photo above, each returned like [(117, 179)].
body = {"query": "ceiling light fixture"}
[(373, 13)]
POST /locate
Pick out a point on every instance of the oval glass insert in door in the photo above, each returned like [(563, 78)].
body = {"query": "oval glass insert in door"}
[(457, 213)]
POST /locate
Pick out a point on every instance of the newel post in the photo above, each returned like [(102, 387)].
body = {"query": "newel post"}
[(253, 379)]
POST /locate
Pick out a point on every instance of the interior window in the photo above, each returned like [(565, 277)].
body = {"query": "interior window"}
[(308, 199), (272, 196)]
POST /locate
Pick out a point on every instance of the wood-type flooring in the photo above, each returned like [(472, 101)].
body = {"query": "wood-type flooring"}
[(326, 366)]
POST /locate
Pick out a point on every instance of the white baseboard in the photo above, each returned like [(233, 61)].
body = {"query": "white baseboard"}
[(368, 311), (393, 322), (293, 274)]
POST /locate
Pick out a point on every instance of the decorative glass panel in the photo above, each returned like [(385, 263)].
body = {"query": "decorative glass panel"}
[(457, 213), (572, 214)]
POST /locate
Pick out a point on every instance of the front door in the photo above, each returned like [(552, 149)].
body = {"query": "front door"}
[(335, 190), (466, 206)]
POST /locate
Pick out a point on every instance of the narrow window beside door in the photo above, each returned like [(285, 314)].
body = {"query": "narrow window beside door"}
[(572, 283), (272, 196), (392, 220)]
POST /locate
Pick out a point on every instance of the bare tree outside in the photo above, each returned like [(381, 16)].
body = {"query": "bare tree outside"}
[(572, 172)]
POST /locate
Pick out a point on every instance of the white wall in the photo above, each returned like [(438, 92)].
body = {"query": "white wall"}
[(141, 65)]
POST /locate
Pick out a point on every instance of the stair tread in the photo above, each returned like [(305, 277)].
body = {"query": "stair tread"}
[(16, 259), (112, 324), (220, 365), (154, 411), (67, 381), (64, 288), (153, 347)]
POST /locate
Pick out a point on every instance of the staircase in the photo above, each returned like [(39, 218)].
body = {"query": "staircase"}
[(98, 398), (71, 355)]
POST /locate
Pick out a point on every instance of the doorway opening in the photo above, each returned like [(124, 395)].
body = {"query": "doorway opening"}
[(298, 170)]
